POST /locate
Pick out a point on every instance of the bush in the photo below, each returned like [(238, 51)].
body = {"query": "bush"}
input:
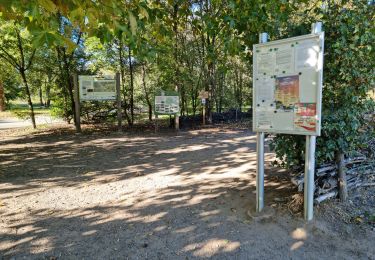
[(348, 77)]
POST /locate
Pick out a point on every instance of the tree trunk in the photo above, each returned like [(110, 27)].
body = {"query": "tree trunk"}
[(146, 93), (62, 82), (32, 115), (131, 89), (221, 91), (194, 94), (210, 103), (2, 97), (69, 84), (150, 112), (194, 105), (177, 82), (71, 96), (343, 188), (122, 72), (48, 91), (41, 95), (48, 99), (241, 92), (22, 67)]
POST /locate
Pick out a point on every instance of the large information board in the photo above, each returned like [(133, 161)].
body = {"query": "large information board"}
[(287, 76), (97, 88), (167, 103)]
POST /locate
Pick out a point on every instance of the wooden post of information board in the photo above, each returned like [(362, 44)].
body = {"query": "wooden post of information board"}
[(156, 123), (203, 95), (204, 110), (118, 98), (77, 105), (177, 122), (204, 113)]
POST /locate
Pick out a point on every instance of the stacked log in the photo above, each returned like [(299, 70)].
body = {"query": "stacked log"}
[(360, 171)]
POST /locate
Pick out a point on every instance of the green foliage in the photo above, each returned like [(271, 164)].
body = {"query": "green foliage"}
[(290, 150), (11, 83), (348, 77), (59, 110), (12, 89), (21, 111)]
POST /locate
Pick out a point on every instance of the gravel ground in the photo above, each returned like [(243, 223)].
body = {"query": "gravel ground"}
[(156, 196)]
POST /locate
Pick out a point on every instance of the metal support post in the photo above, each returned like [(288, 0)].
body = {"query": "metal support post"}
[(309, 184), (260, 172), (316, 27), (263, 37)]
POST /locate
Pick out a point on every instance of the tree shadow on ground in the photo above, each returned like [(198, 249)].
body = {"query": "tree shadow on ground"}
[(183, 195)]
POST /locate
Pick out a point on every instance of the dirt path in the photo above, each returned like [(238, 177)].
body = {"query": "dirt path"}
[(118, 196)]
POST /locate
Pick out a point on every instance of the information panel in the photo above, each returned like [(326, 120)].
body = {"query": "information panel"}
[(167, 103), (287, 76), (95, 88)]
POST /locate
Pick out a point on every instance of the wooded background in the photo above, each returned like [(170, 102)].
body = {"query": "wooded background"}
[(188, 46)]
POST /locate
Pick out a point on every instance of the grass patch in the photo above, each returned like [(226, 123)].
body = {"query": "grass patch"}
[(22, 111)]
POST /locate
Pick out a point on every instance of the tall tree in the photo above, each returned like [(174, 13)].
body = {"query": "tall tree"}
[(17, 51)]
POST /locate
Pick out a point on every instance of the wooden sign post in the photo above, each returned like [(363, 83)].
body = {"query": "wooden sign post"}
[(77, 104), (204, 110), (203, 95)]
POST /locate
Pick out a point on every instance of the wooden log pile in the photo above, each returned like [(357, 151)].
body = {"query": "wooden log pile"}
[(360, 171)]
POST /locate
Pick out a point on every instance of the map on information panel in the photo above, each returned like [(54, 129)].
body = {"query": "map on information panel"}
[(167, 103), (95, 88), (287, 80)]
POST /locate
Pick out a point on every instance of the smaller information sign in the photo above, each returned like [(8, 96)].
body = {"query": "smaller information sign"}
[(167, 103), (203, 94)]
